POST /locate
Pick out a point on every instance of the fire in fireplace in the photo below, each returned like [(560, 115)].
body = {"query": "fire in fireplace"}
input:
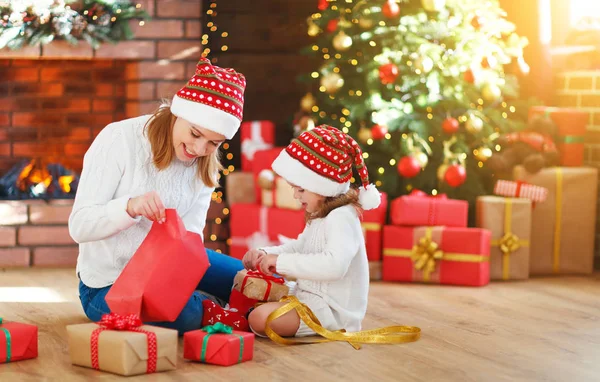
[(36, 179)]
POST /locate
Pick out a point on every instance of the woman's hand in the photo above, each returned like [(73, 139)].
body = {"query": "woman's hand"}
[(252, 257), (148, 205), (267, 264)]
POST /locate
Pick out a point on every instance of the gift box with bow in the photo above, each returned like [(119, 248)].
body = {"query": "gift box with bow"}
[(258, 286), (509, 221), (123, 345), (443, 255), (255, 136), (218, 344), (17, 341), (420, 209)]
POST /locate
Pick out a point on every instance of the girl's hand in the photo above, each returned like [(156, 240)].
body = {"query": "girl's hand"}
[(267, 264), (252, 257), (148, 205)]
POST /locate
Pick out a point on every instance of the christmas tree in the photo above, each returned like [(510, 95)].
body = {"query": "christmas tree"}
[(426, 86)]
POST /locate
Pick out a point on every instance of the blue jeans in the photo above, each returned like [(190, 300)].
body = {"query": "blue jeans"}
[(217, 281)]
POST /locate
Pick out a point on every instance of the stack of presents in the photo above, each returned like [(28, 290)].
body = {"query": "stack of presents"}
[(535, 223)]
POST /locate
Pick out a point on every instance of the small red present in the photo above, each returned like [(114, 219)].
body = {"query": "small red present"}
[(255, 136), (218, 344), (17, 341), (572, 126), (162, 274), (254, 226), (262, 161), (420, 209), (372, 225), (442, 255), (520, 189)]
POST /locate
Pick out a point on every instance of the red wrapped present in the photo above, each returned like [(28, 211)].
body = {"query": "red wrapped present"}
[(572, 126), (262, 161), (162, 274), (255, 136), (372, 225), (253, 226), (442, 255), (518, 189), (420, 209), (17, 341), (218, 344)]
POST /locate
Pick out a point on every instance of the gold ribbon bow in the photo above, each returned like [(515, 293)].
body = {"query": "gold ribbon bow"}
[(425, 254), (387, 335), (509, 243)]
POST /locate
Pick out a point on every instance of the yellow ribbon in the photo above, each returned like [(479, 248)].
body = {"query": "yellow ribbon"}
[(557, 221), (509, 243), (387, 335), (427, 252)]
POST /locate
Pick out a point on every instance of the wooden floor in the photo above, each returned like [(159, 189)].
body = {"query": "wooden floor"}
[(540, 330)]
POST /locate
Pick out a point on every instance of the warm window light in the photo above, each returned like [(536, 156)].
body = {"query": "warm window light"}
[(30, 294)]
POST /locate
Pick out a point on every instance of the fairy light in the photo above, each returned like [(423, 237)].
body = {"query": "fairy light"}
[(381, 170), (434, 192), (314, 74), (369, 141), (512, 109), (365, 155), (379, 183), (388, 136), (392, 162)]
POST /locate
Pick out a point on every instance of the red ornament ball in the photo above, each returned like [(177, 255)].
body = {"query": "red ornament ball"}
[(450, 125), (409, 166), (390, 9), (455, 175), (322, 5), (332, 25), (469, 76), (378, 132), (388, 73)]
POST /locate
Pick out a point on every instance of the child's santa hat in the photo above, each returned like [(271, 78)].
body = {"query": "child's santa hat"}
[(320, 160)]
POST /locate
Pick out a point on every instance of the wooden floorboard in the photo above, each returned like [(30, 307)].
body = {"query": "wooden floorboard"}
[(545, 329)]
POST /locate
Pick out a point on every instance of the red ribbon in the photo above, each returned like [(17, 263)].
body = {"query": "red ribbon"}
[(433, 203), (268, 279), (130, 323)]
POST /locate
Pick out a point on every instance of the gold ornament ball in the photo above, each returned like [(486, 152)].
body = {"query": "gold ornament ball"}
[(425, 64), (491, 93), (433, 5), (364, 134), (474, 124), (483, 153), (307, 102), (441, 172), (332, 82), (266, 179), (306, 123), (342, 42), (313, 30), (365, 22), (422, 158)]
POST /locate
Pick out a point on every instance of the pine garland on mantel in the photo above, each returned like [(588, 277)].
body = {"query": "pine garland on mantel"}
[(29, 23)]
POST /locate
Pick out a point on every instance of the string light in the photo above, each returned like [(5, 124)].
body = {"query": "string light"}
[(392, 162), (434, 192)]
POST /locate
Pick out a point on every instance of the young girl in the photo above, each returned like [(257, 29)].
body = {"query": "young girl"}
[(136, 168), (328, 260)]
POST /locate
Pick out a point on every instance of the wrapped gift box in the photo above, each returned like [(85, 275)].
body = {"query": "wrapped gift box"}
[(17, 341), (564, 227), (281, 196), (509, 221), (218, 345), (254, 226), (372, 225), (262, 161), (572, 126), (255, 136), (419, 209), (443, 255), (258, 286), (240, 187), (519, 189), (130, 351)]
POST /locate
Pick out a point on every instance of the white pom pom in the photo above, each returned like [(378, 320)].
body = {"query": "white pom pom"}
[(369, 198)]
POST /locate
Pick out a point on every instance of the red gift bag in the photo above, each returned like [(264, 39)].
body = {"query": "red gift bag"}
[(162, 274)]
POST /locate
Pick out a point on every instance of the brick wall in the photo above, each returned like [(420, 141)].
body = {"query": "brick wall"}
[(581, 89)]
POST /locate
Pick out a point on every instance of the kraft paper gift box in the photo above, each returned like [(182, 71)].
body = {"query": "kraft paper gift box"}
[(18, 341), (281, 196), (563, 228), (441, 255), (258, 286), (126, 352), (240, 187), (509, 221)]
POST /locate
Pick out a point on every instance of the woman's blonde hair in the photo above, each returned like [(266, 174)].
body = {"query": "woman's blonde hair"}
[(332, 202), (159, 130)]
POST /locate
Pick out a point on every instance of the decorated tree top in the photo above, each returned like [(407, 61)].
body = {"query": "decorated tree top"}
[(425, 85)]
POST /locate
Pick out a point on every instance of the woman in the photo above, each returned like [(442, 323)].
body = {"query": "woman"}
[(136, 168)]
